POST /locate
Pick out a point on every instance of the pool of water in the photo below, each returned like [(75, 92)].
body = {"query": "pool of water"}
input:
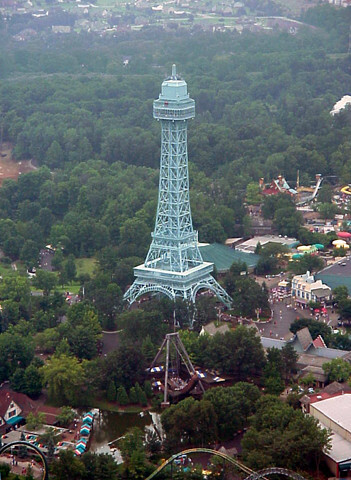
[(109, 426)]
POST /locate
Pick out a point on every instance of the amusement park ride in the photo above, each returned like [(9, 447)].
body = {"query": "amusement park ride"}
[(174, 265), (174, 384)]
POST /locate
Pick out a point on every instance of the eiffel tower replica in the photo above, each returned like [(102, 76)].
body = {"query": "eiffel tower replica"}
[(174, 265)]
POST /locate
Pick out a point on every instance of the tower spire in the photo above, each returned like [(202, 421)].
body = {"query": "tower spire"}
[(174, 265)]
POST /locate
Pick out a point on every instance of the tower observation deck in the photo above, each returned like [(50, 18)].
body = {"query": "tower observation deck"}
[(174, 265)]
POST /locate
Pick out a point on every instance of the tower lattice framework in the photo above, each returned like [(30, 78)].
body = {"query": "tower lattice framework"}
[(174, 265)]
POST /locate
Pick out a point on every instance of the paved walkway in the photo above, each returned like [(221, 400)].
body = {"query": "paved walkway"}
[(284, 314), (20, 467)]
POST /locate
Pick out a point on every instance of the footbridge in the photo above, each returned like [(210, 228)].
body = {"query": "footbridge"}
[(252, 475)]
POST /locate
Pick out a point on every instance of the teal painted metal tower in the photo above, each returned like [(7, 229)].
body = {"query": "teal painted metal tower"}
[(174, 265)]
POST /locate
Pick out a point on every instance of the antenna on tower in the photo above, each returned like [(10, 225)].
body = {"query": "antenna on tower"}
[(174, 70)]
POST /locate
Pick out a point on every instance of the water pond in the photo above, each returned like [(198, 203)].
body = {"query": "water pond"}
[(109, 426)]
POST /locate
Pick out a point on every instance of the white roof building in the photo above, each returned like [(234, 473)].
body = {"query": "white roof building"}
[(341, 104), (335, 414)]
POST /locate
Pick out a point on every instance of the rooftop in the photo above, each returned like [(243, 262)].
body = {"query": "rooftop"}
[(337, 274), (338, 409), (341, 104), (223, 257), (250, 245), (305, 338), (272, 342)]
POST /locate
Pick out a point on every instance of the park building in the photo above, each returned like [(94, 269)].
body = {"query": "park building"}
[(15, 406), (305, 289), (333, 411)]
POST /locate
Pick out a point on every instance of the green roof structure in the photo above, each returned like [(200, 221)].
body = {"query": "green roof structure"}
[(223, 257), (337, 274)]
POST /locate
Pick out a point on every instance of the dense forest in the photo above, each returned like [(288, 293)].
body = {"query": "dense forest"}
[(262, 104)]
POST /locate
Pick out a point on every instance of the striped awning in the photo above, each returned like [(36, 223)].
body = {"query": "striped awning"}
[(157, 369)]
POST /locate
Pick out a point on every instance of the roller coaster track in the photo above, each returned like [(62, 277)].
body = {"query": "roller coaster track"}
[(274, 471), (252, 475)]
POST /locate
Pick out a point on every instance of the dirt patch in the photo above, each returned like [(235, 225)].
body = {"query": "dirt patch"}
[(10, 168)]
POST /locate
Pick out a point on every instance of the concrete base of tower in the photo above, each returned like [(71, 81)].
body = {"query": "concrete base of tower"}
[(176, 284)]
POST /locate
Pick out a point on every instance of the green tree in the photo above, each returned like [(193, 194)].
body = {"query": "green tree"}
[(17, 380), (68, 466), (287, 221), (45, 281), (306, 263), (247, 295), (253, 194), (190, 422), (148, 348), (133, 395), (15, 352), (49, 439), (111, 392), (325, 194), (29, 253), (32, 381), (122, 396), (66, 416), (233, 406), (65, 377), (340, 293), (57, 260), (289, 360), (133, 453), (55, 155), (338, 370), (70, 268), (35, 422), (328, 210), (100, 467), (48, 340), (5, 470), (274, 419), (148, 389)]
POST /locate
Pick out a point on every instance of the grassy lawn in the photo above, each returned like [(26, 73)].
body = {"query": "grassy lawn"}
[(73, 288), (86, 266), (83, 265)]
